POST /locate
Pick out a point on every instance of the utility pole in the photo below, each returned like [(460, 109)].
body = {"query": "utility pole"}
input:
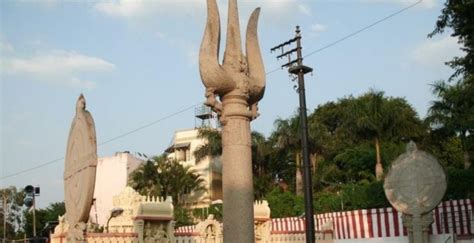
[(297, 68)]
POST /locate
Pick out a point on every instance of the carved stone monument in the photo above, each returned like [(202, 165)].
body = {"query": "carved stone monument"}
[(415, 185), (233, 90), (79, 171)]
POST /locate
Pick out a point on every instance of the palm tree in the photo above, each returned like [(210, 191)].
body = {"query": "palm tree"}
[(287, 137), (212, 146), (453, 113), (378, 117), (163, 177)]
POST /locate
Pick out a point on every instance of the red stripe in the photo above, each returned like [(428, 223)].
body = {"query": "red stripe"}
[(343, 224), (437, 222), (453, 216), (445, 218), (461, 223), (361, 224), (468, 216), (387, 223), (369, 223), (395, 222), (354, 225), (379, 223), (348, 219), (338, 228)]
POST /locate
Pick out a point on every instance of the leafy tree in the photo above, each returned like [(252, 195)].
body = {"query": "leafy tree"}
[(284, 204), (452, 114), (287, 138), (459, 16), (166, 177), (43, 216), (14, 211), (212, 146), (378, 117)]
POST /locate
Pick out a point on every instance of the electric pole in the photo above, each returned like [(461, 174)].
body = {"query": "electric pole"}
[(296, 67)]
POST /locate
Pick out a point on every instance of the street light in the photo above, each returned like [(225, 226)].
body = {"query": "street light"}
[(114, 213), (30, 194)]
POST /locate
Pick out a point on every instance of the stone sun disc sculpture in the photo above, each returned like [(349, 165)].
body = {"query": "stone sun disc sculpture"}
[(233, 90), (80, 166), (416, 182)]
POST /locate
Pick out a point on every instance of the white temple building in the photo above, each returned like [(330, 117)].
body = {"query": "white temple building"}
[(111, 179)]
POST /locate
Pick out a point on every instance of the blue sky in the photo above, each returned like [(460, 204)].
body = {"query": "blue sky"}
[(136, 62)]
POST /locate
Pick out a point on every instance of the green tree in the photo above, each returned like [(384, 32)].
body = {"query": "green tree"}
[(287, 138), (166, 177), (43, 216), (459, 16), (212, 146), (378, 117), (14, 211), (452, 114)]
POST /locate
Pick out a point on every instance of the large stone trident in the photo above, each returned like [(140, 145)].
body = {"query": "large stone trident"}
[(233, 90)]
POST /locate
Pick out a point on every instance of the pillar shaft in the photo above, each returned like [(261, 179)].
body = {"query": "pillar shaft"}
[(237, 171)]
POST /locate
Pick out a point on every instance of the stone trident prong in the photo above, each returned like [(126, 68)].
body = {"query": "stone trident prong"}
[(244, 75)]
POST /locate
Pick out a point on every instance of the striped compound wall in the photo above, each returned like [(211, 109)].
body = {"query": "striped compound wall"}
[(450, 217)]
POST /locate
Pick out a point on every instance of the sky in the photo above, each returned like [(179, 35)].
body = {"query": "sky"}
[(136, 62)]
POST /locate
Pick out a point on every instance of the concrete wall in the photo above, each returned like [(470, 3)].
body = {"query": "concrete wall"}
[(111, 180)]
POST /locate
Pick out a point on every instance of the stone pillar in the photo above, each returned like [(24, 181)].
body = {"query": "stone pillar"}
[(238, 83), (237, 169)]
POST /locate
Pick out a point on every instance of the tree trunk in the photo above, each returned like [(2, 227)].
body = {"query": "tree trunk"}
[(467, 160), (299, 176), (378, 165), (313, 158)]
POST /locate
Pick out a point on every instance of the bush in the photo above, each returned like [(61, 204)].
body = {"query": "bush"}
[(284, 204)]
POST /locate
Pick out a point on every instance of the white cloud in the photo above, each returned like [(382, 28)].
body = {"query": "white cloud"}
[(434, 53), (424, 3), (57, 66), (123, 8), (140, 8), (304, 9), (318, 28)]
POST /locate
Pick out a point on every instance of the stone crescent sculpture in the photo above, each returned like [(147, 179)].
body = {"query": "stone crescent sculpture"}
[(80, 165), (416, 182)]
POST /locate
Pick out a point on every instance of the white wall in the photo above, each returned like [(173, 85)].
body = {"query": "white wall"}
[(111, 179)]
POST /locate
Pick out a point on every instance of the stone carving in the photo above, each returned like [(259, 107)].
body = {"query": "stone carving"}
[(415, 185), (129, 200), (233, 90), (210, 230), (154, 220), (79, 171)]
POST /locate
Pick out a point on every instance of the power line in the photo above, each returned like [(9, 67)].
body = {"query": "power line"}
[(352, 34), (107, 141)]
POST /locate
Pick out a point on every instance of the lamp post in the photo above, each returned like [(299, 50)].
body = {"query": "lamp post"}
[(30, 201), (114, 213)]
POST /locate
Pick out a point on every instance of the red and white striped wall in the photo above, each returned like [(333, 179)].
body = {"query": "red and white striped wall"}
[(455, 216)]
